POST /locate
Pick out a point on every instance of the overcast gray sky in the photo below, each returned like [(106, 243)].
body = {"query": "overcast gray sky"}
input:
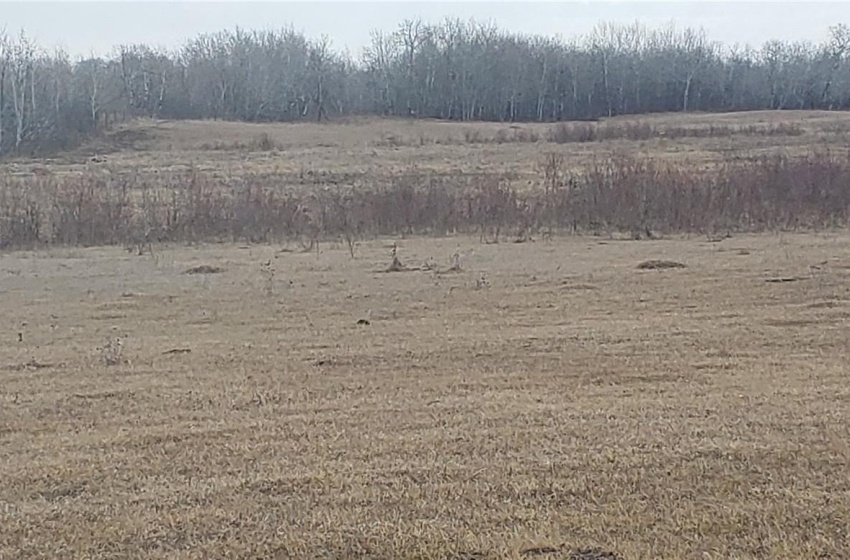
[(96, 27)]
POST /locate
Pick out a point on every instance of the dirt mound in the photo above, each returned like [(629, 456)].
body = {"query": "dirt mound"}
[(205, 269), (579, 554), (659, 265), (593, 554)]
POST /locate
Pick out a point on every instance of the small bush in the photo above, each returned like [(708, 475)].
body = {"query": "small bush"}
[(564, 133), (473, 136), (264, 143), (259, 143)]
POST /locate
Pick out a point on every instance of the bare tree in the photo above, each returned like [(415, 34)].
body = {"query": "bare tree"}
[(5, 55), (694, 48), (453, 69), (319, 65), (21, 60)]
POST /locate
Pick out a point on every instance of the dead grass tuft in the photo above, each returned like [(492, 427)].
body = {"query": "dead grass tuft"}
[(32, 365), (396, 264), (112, 352)]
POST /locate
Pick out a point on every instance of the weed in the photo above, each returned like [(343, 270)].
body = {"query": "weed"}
[(268, 273), (112, 352), (396, 264)]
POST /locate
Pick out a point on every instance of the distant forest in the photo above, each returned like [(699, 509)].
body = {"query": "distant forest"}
[(457, 70)]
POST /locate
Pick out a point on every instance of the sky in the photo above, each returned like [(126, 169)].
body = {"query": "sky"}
[(94, 28)]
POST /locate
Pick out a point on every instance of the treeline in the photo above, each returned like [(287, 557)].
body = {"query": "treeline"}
[(451, 70)]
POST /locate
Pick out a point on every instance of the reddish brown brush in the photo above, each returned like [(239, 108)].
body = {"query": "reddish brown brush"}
[(617, 195)]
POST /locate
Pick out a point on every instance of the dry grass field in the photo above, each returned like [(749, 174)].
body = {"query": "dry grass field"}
[(547, 400), (361, 152), (569, 397)]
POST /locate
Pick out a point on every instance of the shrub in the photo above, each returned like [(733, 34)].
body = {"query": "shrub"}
[(618, 194)]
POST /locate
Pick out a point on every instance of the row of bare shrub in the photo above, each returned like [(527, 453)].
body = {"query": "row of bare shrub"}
[(640, 197), (262, 142), (565, 133), (575, 132), (643, 196)]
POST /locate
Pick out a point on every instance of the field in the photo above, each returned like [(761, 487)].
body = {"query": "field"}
[(366, 149), (571, 396)]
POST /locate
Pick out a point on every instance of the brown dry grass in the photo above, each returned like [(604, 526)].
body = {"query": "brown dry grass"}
[(360, 150), (546, 398)]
